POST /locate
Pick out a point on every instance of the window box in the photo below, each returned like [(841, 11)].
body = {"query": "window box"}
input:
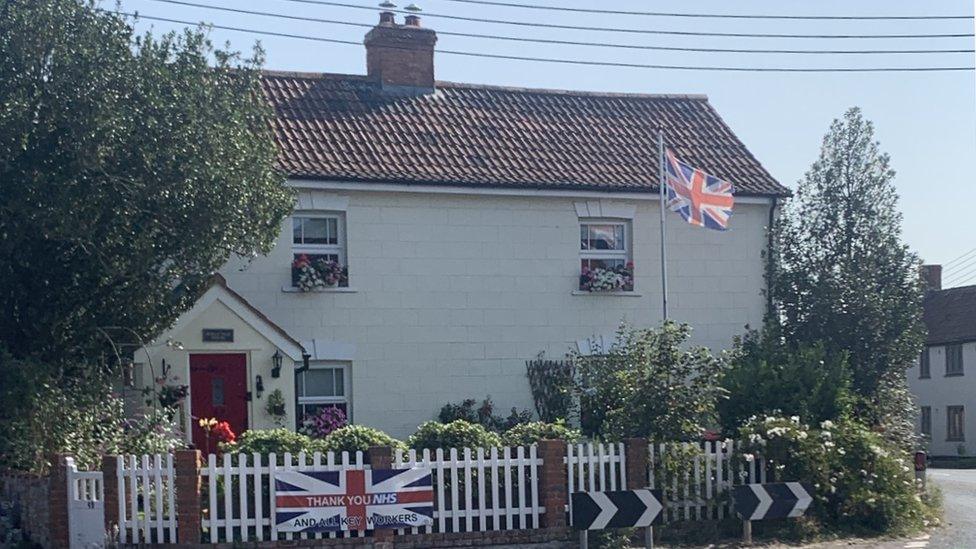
[(316, 272), (607, 280)]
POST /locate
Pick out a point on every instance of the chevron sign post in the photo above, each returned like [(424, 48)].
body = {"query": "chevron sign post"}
[(621, 509), (776, 500)]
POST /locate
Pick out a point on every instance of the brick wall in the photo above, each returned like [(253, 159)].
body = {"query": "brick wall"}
[(25, 499)]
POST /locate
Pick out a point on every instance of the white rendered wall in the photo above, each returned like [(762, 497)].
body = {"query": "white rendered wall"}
[(453, 293), (940, 391)]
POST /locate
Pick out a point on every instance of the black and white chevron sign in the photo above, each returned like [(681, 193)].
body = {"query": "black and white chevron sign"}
[(620, 509), (772, 501)]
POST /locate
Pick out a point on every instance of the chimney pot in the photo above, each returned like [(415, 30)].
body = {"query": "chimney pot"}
[(932, 277), (401, 57)]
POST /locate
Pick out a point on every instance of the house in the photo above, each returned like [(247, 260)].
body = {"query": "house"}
[(453, 223), (943, 379)]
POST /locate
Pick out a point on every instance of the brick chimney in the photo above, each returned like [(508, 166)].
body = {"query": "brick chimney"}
[(401, 57), (932, 277)]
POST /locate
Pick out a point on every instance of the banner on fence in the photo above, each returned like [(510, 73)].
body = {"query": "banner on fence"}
[(327, 501)]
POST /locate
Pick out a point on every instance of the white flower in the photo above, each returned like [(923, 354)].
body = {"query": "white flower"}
[(749, 457), (795, 419), (826, 424)]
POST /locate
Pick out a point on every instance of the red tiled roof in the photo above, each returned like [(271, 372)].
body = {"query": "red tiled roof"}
[(950, 315), (344, 127)]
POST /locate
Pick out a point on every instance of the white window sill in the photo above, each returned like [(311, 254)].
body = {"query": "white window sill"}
[(608, 294), (336, 290)]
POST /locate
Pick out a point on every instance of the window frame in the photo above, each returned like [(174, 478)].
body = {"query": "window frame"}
[(954, 368), (301, 400), (925, 421), (626, 255), (925, 364), (338, 249), (961, 436)]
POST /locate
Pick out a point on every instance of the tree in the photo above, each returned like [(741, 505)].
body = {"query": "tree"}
[(843, 277), (647, 385), (131, 168)]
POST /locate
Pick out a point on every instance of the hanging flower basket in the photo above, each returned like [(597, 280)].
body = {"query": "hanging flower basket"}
[(312, 274), (619, 279)]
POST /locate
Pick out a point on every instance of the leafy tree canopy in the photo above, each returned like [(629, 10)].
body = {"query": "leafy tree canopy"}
[(131, 168), (844, 276)]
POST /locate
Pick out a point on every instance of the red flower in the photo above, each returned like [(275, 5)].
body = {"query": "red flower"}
[(301, 262), (223, 433)]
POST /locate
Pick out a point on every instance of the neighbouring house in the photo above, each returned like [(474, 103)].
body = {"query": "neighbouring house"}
[(943, 388), (442, 237)]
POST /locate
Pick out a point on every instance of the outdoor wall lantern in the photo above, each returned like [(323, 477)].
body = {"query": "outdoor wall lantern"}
[(276, 364), (259, 385)]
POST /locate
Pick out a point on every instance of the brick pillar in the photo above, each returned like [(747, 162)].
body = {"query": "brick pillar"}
[(186, 465), (58, 501), (553, 484), (110, 483), (381, 457), (636, 452)]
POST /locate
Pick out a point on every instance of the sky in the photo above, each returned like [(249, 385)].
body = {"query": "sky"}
[(926, 121)]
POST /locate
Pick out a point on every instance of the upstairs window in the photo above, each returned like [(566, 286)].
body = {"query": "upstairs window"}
[(605, 256), (924, 367), (955, 423), (953, 360), (319, 251)]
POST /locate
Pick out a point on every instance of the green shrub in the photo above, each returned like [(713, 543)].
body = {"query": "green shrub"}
[(862, 482), (456, 434), (483, 415), (278, 441), (529, 433), (769, 377), (358, 437)]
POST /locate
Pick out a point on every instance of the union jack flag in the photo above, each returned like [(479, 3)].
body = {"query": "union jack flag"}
[(326, 501), (701, 199)]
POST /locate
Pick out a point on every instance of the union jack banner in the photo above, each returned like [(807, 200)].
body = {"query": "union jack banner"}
[(328, 501), (701, 199)]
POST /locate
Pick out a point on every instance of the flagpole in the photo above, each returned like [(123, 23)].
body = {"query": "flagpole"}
[(662, 186)]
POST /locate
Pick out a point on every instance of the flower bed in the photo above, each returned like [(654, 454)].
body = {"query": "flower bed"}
[(619, 279), (315, 273)]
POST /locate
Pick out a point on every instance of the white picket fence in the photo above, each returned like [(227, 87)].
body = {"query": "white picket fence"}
[(593, 467), (480, 490), (703, 491), (238, 504), (147, 507), (474, 489)]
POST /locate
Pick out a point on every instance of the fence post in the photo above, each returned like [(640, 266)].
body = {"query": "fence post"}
[(553, 484), (58, 501), (186, 469), (381, 457), (110, 485), (636, 455)]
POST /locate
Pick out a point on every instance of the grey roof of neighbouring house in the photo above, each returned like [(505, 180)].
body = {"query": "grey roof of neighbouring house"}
[(950, 315)]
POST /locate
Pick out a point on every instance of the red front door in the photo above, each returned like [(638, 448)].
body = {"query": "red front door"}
[(218, 389)]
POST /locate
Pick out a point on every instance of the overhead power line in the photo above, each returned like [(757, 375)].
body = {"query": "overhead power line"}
[(954, 270), (567, 61), (575, 42), (965, 269), (958, 259), (536, 24), (717, 15), (963, 279)]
